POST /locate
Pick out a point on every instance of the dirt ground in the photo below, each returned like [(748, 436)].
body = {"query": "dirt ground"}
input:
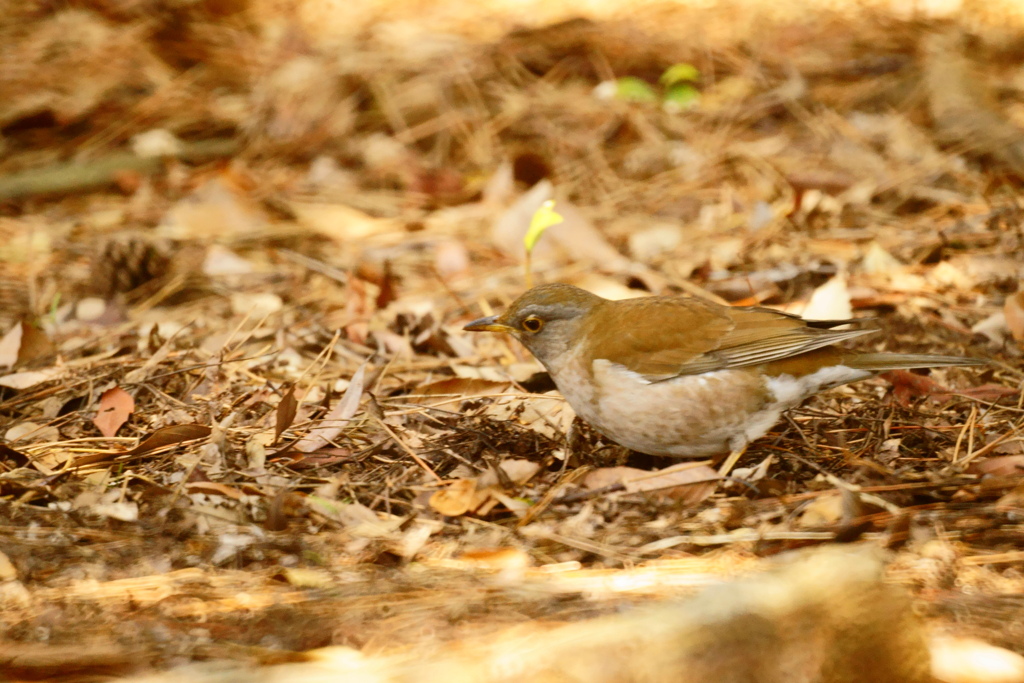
[(240, 420)]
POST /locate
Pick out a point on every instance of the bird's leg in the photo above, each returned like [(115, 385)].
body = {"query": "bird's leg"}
[(731, 461)]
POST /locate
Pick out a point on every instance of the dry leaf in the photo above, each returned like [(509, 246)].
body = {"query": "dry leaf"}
[(339, 222), (170, 436), (689, 483), (7, 570), (256, 305), (36, 431), (548, 415), (304, 577), (215, 208), (518, 471), (496, 558), (831, 301), (995, 327), (9, 345), (161, 438), (823, 511), (123, 512), (214, 488), (34, 344), (1013, 309), (907, 386), (116, 405), (1003, 466), (221, 261), (25, 380), (480, 495), (335, 421), (456, 499), (456, 387), (877, 260), (285, 414)]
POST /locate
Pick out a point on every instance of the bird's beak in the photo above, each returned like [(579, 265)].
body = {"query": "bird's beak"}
[(488, 324)]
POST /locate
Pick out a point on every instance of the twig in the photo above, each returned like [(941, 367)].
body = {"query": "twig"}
[(70, 176)]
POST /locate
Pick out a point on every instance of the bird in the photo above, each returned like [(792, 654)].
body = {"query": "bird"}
[(685, 377)]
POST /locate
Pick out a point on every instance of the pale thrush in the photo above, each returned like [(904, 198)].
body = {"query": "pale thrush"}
[(681, 376)]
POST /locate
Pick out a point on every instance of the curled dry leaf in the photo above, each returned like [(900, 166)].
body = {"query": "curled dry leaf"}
[(170, 436), (336, 420), (689, 483), (161, 438), (116, 405)]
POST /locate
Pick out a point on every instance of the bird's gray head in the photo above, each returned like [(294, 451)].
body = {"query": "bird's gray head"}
[(545, 319)]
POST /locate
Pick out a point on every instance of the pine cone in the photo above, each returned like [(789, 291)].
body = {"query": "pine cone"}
[(127, 262)]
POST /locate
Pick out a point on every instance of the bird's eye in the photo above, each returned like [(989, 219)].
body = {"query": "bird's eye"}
[(533, 324)]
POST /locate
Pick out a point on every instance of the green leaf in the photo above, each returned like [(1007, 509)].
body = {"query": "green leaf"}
[(633, 89), (678, 73), (681, 96), (543, 218)]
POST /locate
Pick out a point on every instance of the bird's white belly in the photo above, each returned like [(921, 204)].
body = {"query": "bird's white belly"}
[(690, 415)]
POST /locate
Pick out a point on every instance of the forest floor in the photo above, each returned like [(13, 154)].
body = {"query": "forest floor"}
[(240, 420)]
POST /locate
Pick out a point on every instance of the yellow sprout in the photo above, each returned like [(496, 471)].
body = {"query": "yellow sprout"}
[(542, 219)]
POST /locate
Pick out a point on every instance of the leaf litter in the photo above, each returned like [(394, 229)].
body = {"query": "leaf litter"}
[(232, 372)]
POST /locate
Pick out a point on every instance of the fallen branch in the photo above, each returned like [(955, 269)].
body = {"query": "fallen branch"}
[(76, 176)]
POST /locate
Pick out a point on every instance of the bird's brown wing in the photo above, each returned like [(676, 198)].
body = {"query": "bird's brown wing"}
[(664, 337)]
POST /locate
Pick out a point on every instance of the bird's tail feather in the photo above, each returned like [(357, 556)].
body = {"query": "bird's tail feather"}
[(880, 362)]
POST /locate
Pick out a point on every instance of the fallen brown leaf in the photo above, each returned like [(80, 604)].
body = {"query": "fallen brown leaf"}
[(116, 406), (689, 483), (335, 421), (286, 410), (456, 499), (1013, 309), (1003, 466)]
